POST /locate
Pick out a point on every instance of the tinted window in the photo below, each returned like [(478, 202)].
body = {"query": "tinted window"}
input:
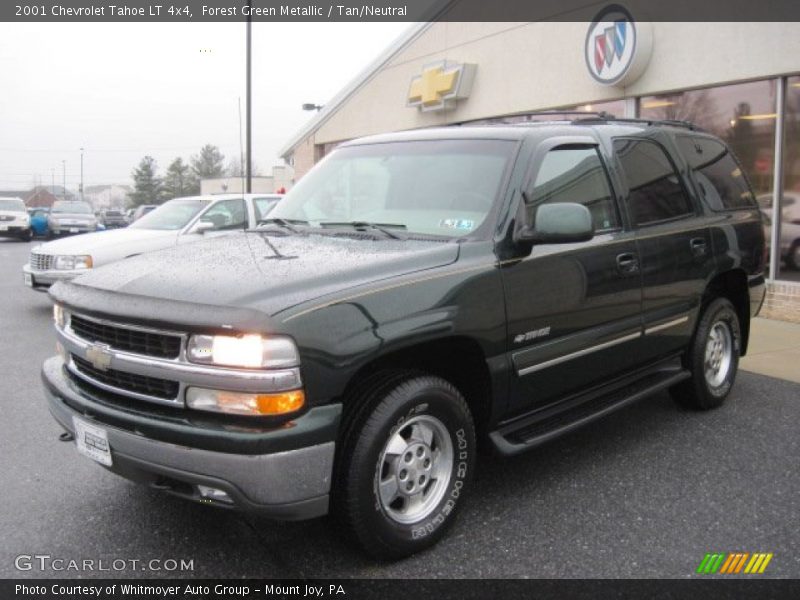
[(721, 181), (576, 175), (656, 193)]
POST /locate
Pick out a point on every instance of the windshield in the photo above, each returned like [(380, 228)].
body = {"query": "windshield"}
[(73, 208), (11, 204), (442, 188), (170, 216)]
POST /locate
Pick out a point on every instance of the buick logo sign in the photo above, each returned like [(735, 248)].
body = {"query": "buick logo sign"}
[(617, 48)]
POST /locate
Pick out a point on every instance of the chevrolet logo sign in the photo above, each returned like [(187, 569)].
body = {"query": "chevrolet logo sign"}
[(441, 84), (99, 355)]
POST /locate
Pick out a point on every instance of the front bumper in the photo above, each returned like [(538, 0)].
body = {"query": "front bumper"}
[(58, 229), (15, 230), (41, 280), (283, 472)]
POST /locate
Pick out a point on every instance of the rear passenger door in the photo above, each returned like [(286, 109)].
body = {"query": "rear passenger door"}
[(673, 242)]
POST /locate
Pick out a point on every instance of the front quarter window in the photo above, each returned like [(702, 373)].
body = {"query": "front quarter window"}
[(442, 188)]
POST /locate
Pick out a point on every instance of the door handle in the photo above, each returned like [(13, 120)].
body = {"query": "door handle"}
[(627, 263), (698, 246)]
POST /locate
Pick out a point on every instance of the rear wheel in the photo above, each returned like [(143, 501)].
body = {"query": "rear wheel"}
[(405, 462), (712, 358)]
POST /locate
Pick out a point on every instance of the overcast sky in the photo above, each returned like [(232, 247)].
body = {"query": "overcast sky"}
[(122, 91)]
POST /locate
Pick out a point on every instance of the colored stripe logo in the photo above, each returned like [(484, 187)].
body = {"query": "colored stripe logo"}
[(734, 563)]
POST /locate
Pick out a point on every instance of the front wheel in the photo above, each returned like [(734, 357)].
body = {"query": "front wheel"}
[(406, 460), (712, 358)]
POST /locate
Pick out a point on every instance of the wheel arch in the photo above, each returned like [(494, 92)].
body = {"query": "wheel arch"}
[(732, 285), (459, 360)]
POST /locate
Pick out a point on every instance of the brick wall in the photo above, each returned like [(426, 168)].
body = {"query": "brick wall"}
[(782, 301)]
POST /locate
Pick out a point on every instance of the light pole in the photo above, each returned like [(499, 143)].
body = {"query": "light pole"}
[(64, 175), (249, 93), (81, 174)]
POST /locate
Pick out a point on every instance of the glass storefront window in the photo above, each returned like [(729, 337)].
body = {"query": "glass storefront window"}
[(744, 116), (790, 203)]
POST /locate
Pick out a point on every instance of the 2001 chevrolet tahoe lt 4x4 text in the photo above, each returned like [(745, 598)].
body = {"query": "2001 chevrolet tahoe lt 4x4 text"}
[(413, 293)]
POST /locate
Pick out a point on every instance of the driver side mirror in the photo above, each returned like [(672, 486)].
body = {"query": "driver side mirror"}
[(203, 226), (558, 223)]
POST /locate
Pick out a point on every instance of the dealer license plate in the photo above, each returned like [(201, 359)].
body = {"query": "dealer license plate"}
[(92, 441), (28, 279), (73, 230)]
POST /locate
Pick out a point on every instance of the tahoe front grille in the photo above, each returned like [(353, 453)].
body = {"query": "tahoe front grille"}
[(130, 382), (41, 262), (149, 343)]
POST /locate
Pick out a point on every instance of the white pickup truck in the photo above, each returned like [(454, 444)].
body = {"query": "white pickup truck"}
[(178, 221)]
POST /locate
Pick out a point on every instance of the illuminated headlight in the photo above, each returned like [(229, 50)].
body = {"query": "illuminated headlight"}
[(59, 316), (252, 351), (238, 403), (68, 263)]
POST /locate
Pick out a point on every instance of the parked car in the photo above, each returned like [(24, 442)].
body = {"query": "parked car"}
[(412, 292), (38, 218), (178, 221), (112, 217), (71, 216), (789, 239), (141, 211), (14, 219), (790, 206)]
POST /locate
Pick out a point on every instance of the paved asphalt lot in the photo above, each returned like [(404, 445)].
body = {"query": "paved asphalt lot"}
[(644, 493)]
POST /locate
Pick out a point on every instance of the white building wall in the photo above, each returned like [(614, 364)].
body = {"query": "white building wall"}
[(535, 66)]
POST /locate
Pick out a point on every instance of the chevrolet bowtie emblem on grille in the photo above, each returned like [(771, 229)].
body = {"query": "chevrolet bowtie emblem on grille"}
[(99, 355), (439, 84)]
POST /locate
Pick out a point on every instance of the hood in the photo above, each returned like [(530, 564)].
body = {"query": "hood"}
[(105, 246), (267, 273)]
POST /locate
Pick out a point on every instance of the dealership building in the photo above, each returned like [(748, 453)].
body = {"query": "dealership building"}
[(740, 81)]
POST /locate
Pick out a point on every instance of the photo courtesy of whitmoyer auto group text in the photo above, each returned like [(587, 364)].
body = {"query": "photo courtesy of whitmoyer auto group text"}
[(399, 299)]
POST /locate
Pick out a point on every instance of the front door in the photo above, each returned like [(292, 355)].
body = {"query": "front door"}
[(574, 310)]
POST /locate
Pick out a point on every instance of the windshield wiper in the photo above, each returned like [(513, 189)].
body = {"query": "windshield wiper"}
[(285, 223), (362, 225)]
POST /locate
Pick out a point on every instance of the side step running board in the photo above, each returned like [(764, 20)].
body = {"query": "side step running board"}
[(519, 437)]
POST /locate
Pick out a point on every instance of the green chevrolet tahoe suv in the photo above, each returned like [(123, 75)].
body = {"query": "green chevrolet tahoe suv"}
[(415, 294)]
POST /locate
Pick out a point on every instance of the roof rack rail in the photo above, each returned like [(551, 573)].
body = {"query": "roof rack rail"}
[(674, 122), (506, 120)]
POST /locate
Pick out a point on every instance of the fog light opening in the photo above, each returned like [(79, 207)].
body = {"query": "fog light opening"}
[(217, 495)]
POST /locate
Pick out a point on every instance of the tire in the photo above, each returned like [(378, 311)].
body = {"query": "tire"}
[(27, 236), (793, 258), (712, 358), (404, 464)]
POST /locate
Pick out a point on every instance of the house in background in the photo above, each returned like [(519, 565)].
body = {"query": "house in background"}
[(107, 196)]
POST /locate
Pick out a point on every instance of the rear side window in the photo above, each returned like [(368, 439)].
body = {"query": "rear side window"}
[(717, 173), (573, 174), (656, 193)]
